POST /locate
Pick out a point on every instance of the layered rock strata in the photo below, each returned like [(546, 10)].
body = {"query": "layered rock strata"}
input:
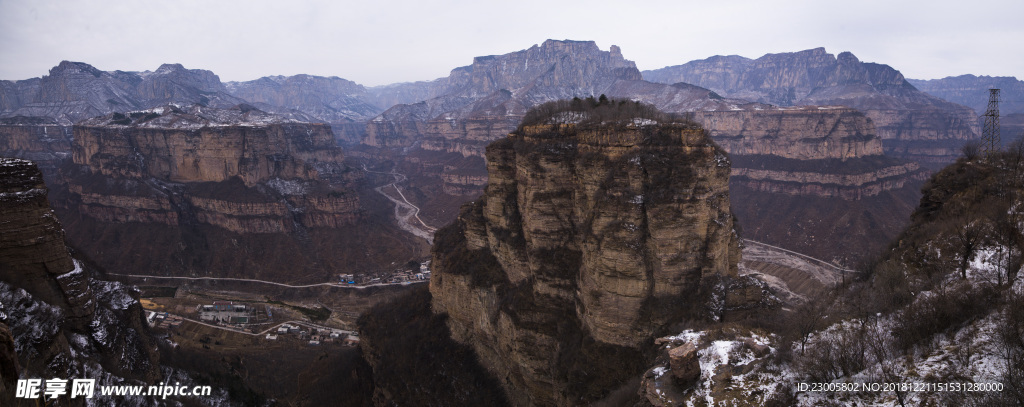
[(37, 139), (56, 320), (814, 179), (589, 240), (817, 151), (250, 176), (32, 251)]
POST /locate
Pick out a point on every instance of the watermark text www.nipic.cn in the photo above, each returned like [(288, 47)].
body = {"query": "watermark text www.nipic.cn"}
[(86, 388)]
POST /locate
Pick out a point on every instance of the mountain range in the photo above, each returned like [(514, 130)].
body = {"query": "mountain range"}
[(436, 131)]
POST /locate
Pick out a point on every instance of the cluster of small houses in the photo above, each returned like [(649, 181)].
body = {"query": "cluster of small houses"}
[(397, 276), (316, 336), (163, 319)]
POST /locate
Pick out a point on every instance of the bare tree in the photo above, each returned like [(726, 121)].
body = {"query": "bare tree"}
[(807, 319), (969, 233)]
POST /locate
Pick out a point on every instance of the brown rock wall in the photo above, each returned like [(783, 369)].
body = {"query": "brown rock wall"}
[(238, 180), (255, 154), (32, 251), (582, 232), (808, 133), (44, 144)]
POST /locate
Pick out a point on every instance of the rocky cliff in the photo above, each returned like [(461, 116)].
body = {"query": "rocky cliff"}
[(32, 249), (814, 179), (912, 124), (38, 139), (36, 114), (265, 189), (819, 151), (56, 320), (590, 238)]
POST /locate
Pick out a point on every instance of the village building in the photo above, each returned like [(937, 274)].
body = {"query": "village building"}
[(226, 312)]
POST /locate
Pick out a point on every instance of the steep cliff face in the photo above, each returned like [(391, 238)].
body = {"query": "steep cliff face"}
[(589, 239), (201, 180), (56, 320), (912, 124), (205, 145), (38, 139), (32, 250), (790, 163), (805, 133)]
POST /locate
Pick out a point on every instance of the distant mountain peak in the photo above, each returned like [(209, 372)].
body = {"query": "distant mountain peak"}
[(72, 67), (165, 68), (847, 58)]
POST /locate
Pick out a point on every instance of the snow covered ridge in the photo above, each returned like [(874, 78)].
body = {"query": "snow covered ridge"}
[(192, 117), (736, 367)]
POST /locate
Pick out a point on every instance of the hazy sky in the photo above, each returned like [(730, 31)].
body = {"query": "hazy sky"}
[(385, 41)]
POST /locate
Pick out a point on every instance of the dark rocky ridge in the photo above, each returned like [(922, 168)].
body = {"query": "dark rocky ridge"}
[(32, 251), (589, 239), (911, 123), (56, 320)]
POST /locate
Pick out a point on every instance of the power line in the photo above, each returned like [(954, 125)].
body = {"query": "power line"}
[(990, 142)]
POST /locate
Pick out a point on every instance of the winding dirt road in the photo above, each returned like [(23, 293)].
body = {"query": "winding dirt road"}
[(405, 210)]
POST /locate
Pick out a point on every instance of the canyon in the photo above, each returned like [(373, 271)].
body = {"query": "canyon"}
[(577, 233), (436, 131)]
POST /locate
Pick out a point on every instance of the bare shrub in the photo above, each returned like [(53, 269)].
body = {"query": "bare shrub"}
[(943, 309)]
